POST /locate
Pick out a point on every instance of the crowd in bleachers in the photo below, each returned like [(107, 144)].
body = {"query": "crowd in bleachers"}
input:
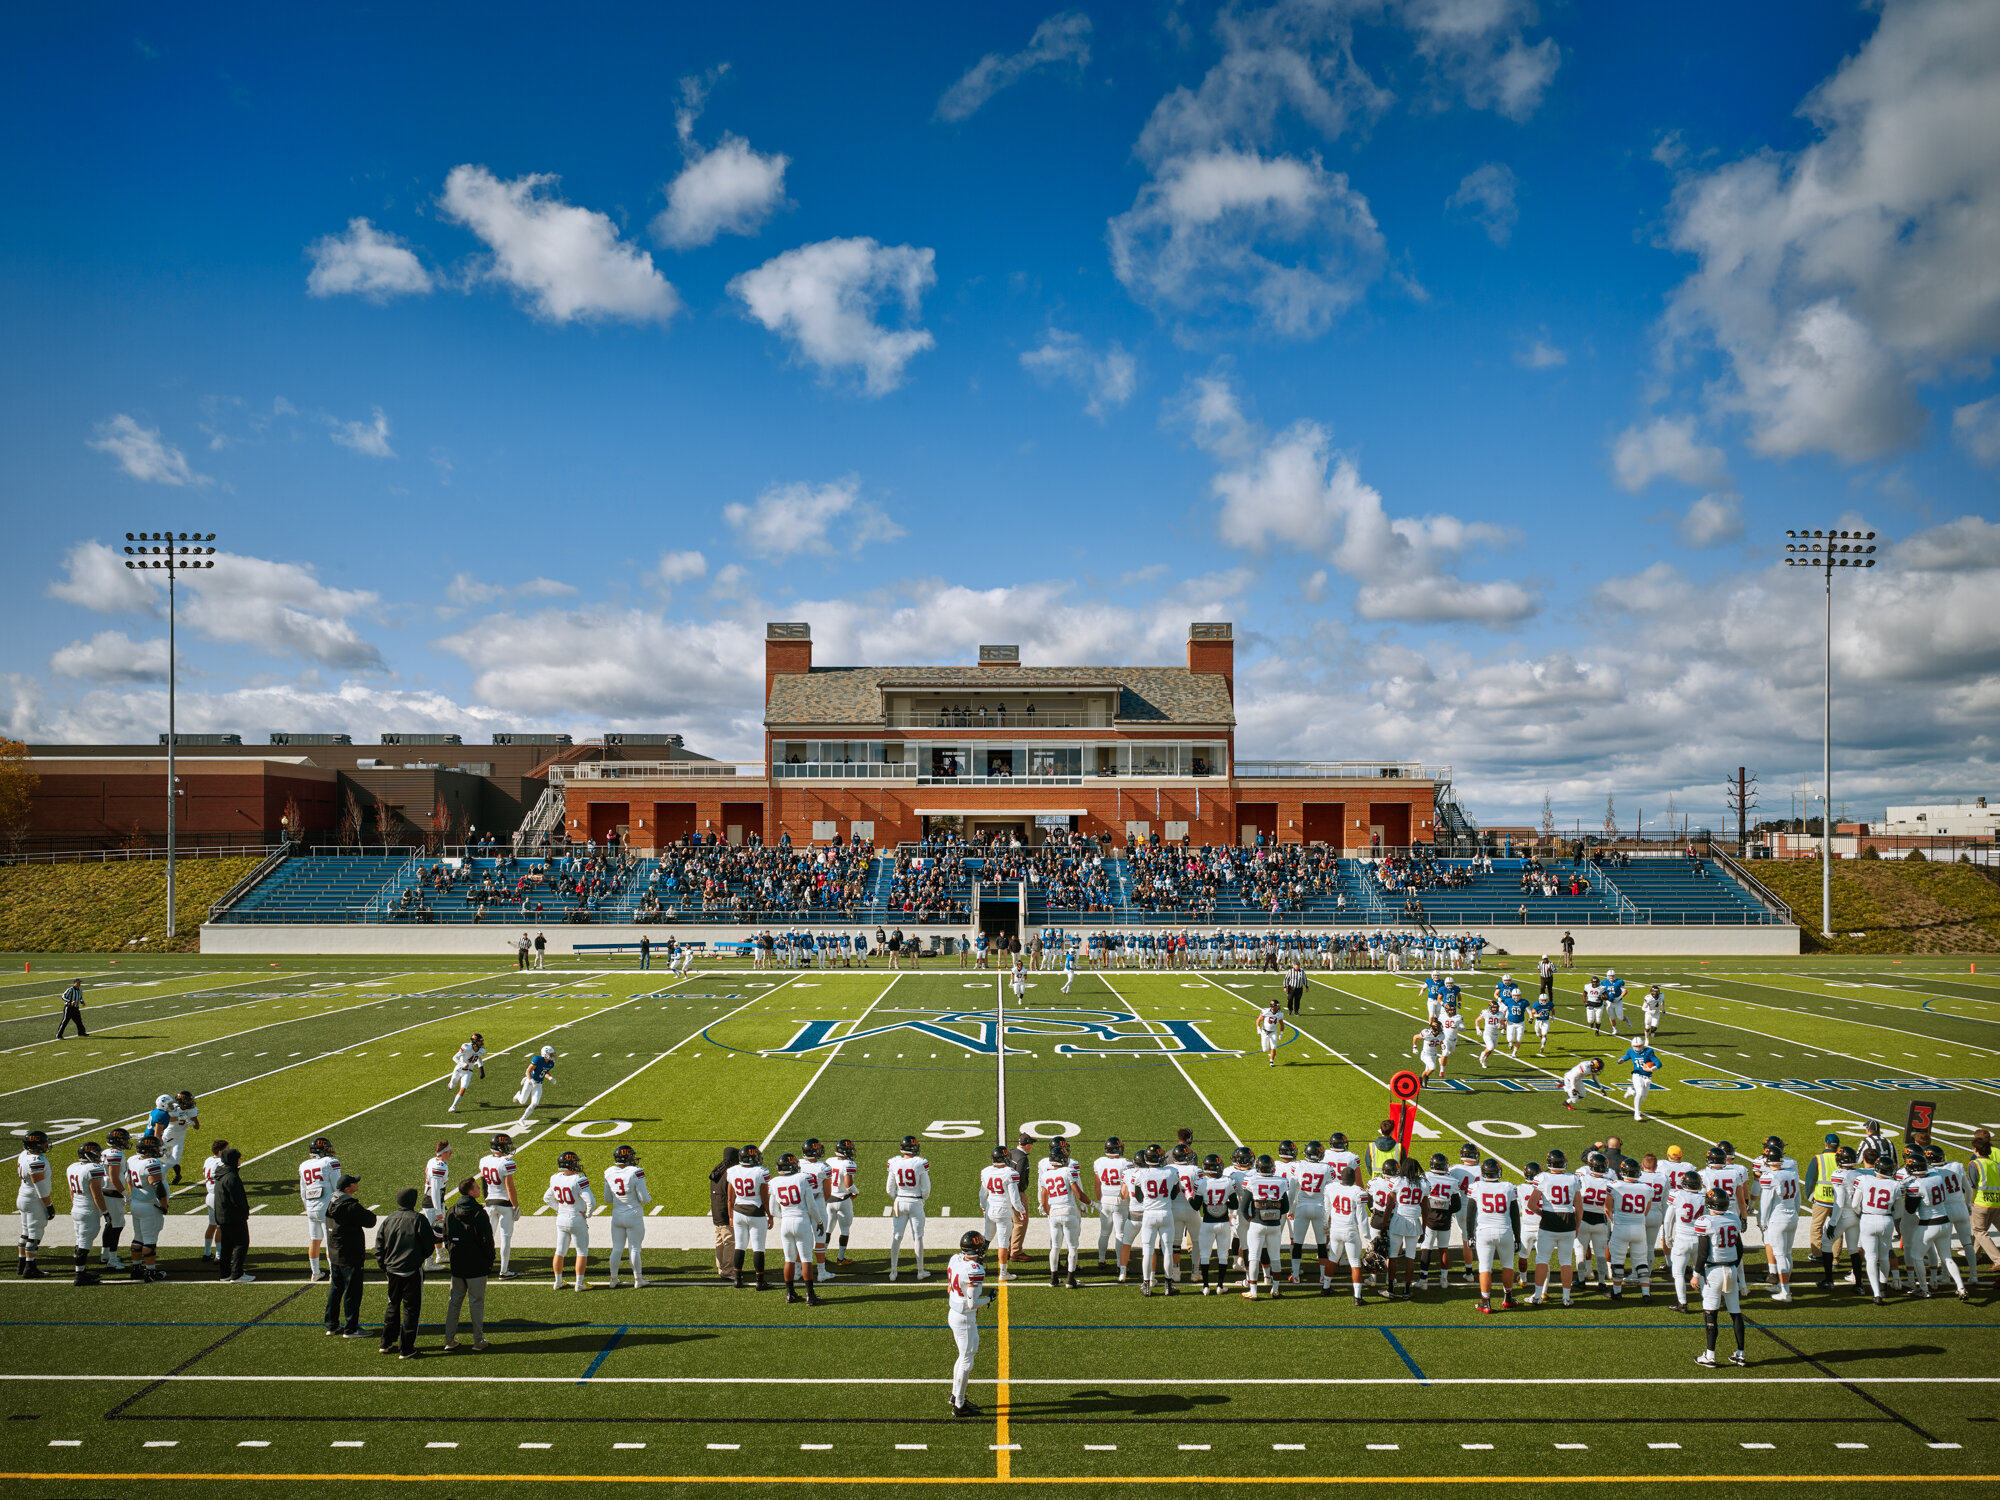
[(713, 879), (577, 884), (1419, 870), (929, 882), (1199, 879), (1067, 872)]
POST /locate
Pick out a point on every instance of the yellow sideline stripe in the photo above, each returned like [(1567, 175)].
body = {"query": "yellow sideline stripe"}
[(129, 1476), (1005, 1468)]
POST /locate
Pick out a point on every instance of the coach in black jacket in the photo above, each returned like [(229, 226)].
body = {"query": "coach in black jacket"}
[(468, 1237), (347, 1217), (232, 1217), (403, 1242)]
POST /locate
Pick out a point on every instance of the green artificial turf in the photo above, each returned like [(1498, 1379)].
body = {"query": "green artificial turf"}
[(1101, 1385)]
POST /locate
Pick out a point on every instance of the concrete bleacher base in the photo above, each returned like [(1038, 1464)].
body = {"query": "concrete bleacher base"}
[(497, 938)]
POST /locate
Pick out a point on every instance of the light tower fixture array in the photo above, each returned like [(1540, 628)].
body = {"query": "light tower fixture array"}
[(173, 551), (1829, 549)]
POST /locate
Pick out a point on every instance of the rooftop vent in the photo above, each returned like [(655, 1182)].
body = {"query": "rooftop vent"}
[(788, 630), (673, 741), (561, 741), (205, 739), (1211, 630), (286, 737), (422, 739), (999, 656)]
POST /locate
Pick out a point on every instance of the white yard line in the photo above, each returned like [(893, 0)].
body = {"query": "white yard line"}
[(1234, 1138), (832, 1053), (1844, 1021), (90, 1011), (94, 1007), (1844, 1378)]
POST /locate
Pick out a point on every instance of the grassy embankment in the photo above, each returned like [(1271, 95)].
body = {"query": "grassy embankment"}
[(106, 908), (1891, 905)]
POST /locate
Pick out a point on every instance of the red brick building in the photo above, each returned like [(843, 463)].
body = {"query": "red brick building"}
[(888, 754)]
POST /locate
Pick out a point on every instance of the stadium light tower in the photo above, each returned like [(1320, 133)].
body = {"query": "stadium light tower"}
[(175, 552), (1827, 550)]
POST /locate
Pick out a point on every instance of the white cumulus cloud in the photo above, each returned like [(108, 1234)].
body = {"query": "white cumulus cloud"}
[(1666, 446), (112, 656), (1479, 46), (731, 188), (826, 298), (568, 262), (1977, 428), (792, 518), (1713, 520), (1061, 39), (1486, 195), (1108, 379), (143, 453), (370, 437), (364, 262), (1836, 279)]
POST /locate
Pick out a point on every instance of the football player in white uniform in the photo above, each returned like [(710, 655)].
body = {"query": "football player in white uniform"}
[(1778, 1215), (1000, 1202), (437, 1195), (1687, 1207), (1346, 1218), (1491, 1023), (570, 1196), (1593, 1233), (1427, 1047), (813, 1162), (1928, 1190), (1114, 1224), (1578, 1078), (1438, 1211), (1019, 977), (469, 1059), (1554, 1200), (1214, 1196), (1652, 1011), (35, 1201), (116, 1143), (1264, 1200), (626, 1191), (1270, 1032), (1876, 1192), (1187, 1207), (1465, 1172), (1150, 1189), (842, 1183), (1310, 1180), (965, 1294), (1631, 1249), (183, 1117), (1063, 1194), (86, 1206), (750, 1210), (908, 1186), (801, 1222), (1496, 1230), (211, 1236), (317, 1175), (503, 1198), (148, 1179), (1593, 1005), (1716, 1255)]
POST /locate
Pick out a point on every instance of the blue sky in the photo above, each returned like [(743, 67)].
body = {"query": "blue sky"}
[(1472, 357)]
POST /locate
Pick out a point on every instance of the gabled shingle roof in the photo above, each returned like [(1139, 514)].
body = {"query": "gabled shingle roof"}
[(853, 695)]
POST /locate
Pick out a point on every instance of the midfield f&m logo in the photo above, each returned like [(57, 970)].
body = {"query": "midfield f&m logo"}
[(1098, 1032)]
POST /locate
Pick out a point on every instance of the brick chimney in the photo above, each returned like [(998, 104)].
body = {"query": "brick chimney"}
[(1211, 647), (788, 647)]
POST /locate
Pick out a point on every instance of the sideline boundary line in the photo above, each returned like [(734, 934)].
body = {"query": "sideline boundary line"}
[(128, 1476)]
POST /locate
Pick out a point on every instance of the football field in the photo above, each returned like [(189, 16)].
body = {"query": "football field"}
[(126, 1388)]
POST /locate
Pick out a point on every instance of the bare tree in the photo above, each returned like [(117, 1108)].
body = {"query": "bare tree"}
[(436, 834), (350, 820), (386, 819), (1610, 818), (1548, 818), (294, 824)]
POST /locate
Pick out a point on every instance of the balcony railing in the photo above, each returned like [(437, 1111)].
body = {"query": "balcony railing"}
[(1013, 718), (845, 770), (1342, 770), (652, 770)]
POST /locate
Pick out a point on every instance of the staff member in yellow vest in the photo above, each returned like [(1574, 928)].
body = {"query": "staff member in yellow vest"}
[(1985, 1199), (1383, 1151), (1816, 1186)]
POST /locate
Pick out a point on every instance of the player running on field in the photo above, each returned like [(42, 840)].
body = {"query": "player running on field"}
[(470, 1058)]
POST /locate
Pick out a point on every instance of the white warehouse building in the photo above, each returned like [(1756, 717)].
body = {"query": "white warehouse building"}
[(1974, 819)]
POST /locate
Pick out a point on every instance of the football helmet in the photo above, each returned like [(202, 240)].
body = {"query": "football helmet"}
[(844, 1149), (1241, 1157), (148, 1146), (163, 1102), (1468, 1152), (1183, 1153), (999, 1156), (1113, 1146), (1556, 1159), (1059, 1148), (813, 1150), (1337, 1141), (1610, 973), (908, 1145), (1489, 1169), (1211, 1165), (1728, 1148), (1315, 1151), (625, 1156), (1266, 1165), (501, 1143), (1597, 1162), (972, 1243), (751, 1155), (568, 1162), (548, 1052), (1628, 1169), (120, 1137), (1717, 1156), (89, 1151), (1287, 1151), (1719, 1200), (1774, 1148), (184, 1099), (478, 1039), (787, 1164), (1438, 1162), (321, 1146), (1531, 1171), (1845, 1157), (36, 1141)]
